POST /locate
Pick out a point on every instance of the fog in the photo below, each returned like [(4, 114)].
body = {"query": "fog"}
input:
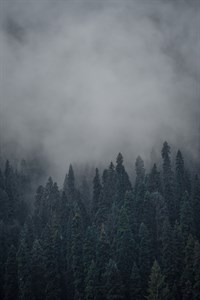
[(83, 80)]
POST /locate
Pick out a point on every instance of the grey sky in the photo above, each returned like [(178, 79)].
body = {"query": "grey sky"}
[(83, 80)]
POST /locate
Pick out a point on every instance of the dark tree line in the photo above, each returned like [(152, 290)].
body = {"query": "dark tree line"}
[(126, 241)]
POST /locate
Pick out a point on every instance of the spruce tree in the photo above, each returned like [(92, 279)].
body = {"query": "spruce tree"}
[(186, 216), (114, 285), (77, 256), (140, 173), (154, 180), (196, 268), (122, 181), (11, 276), (157, 287), (135, 283), (145, 256), (125, 247), (38, 271), (196, 206), (168, 184), (91, 282)]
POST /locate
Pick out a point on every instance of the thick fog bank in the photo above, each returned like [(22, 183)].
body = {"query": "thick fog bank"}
[(82, 80)]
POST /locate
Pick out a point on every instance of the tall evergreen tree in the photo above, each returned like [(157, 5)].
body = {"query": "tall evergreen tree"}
[(122, 181), (196, 205), (114, 285), (77, 256), (196, 268), (91, 282), (186, 217), (52, 276), (140, 173), (11, 284), (154, 180), (157, 287), (145, 256), (125, 247), (135, 283), (168, 183), (38, 271)]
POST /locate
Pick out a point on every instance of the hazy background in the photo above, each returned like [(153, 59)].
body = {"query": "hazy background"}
[(83, 80)]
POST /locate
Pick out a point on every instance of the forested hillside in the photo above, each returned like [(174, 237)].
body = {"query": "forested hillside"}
[(122, 241)]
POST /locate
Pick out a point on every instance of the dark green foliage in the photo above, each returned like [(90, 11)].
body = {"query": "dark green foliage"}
[(186, 216), (24, 270), (157, 287), (140, 173), (11, 284), (52, 276), (78, 246), (102, 258), (196, 206), (38, 271), (125, 247), (187, 279), (196, 269), (168, 253), (135, 283), (168, 183), (145, 255), (77, 256), (154, 181), (114, 285), (96, 193), (122, 181), (91, 283)]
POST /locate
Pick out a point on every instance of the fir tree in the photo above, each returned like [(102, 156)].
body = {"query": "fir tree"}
[(114, 285), (91, 282), (157, 287), (168, 183), (38, 271), (196, 268), (135, 283), (11, 283)]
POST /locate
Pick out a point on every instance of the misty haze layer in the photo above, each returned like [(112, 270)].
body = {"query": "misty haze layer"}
[(84, 81)]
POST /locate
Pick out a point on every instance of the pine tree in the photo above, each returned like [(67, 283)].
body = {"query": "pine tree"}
[(135, 283), (52, 276), (125, 247), (91, 282), (96, 193), (145, 256), (168, 183), (196, 268), (114, 286), (77, 256), (69, 185), (157, 287), (186, 217), (102, 258), (11, 284), (38, 271), (180, 179), (122, 181), (196, 205), (168, 253), (178, 256), (154, 180), (24, 270), (89, 248), (187, 279), (140, 173)]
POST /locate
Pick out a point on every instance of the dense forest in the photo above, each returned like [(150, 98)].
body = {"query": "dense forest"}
[(112, 240)]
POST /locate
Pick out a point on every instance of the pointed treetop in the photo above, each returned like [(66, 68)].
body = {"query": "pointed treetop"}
[(165, 150), (119, 159)]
